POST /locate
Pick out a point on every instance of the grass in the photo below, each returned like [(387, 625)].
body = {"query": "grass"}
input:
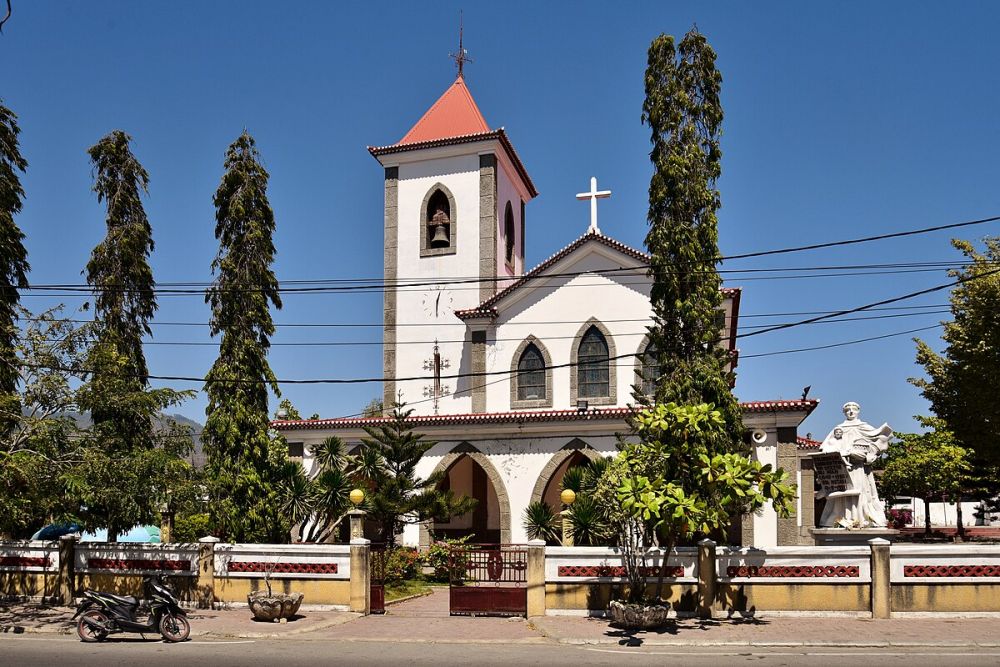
[(405, 588)]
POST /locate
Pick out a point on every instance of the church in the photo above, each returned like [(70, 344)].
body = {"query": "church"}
[(531, 371)]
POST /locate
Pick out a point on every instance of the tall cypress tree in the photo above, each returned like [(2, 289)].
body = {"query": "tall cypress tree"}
[(13, 261), (243, 457), (684, 114)]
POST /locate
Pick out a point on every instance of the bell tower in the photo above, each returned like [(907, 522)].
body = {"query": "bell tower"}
[(455, 195)]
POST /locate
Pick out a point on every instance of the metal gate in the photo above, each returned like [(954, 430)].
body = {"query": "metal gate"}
[(488, 580), (376, 571)]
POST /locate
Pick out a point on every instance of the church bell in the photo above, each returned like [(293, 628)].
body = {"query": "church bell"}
[(439, 227)]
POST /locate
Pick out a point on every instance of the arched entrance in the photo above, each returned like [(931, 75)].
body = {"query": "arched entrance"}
[(549, 483), (470, 473)]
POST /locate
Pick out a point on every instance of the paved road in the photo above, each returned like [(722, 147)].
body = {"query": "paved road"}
[(38, 651)]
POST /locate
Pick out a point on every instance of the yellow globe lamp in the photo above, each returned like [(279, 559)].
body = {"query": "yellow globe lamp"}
[(357, 496), (568, 496)]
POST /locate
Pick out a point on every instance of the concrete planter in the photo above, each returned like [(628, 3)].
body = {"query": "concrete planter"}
[(273, 607), (637, 616)]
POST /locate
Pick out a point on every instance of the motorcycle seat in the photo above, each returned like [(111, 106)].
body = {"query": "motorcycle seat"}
[(126, 600)]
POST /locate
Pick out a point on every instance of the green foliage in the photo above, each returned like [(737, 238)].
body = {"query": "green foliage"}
[(401, 563), (929, 465), (315, 505), (245, 460), (13, 261), (588, 521), (373, 408), (290, 411), (684, 114), (191, 527), (541, 522), (439, 556), (678, 481), (955, 379), (395, 495)]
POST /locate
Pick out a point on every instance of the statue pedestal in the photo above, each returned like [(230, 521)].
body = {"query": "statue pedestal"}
[(853, 537)]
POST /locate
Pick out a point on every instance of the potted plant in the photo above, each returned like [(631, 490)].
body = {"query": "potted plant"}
[(681, 478), (268, 606)]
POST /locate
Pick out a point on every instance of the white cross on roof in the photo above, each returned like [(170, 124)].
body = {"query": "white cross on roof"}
[(593, 196)]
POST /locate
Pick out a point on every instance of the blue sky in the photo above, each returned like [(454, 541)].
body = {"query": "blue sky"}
[(842, 120)]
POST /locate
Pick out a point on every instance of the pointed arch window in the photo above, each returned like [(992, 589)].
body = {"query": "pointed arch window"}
[(593, 372), (531, 375), (437, 222), (508, 234), (650, 369)]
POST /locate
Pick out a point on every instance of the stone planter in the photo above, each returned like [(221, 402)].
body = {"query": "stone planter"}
[(638, 616), (273, 607)]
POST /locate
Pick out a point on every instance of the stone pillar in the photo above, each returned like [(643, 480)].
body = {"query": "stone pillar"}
[(881, 588), (361, 592), (567, 529), (67, 570), (536, 578), (357, 518), (707, 578), (206, 572)]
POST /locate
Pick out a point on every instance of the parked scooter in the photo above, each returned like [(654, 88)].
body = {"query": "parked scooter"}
[(103, 614)]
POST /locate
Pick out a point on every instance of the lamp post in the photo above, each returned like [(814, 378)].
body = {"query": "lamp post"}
[(568, 497), (357, 515)]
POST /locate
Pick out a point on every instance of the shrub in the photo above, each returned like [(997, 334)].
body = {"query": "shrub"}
[(438, 557), (401, 563), (898, 518), (542, 523), (190, 527)]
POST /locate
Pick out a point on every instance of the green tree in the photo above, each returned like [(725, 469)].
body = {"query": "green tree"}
[(316, 505), (13, 261), (395, 494), (244, 458), (955, 379), (684, 114), (291, 412), (931, 466), (677, 481), (114, 477)]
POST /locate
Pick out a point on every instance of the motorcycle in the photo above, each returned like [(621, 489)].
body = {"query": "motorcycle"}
[(102, 614)]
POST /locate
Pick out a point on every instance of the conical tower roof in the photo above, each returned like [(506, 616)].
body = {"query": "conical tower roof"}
[(455, 114)]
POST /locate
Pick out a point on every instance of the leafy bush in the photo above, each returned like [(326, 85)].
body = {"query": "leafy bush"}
[(899, 518), (190, 527), (401, 563), (439, 554), (541, 522)]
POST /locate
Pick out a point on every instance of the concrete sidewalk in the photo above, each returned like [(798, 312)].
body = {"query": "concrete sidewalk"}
[(40, 619), (782, 631)]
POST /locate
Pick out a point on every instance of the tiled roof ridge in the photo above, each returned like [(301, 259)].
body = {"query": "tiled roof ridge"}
[(486, 307), (807, 443), (568, 414)]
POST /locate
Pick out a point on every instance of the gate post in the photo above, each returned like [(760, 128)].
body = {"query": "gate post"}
[(206, 572), (67, 565), (536, 578), (881, 591), (361, 601), (707, 577)]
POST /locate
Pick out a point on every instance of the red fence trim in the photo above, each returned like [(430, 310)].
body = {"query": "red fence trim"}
[(282, 568), (780, 571), (25, 561), (137, 564), (951, 570), (615, 571)]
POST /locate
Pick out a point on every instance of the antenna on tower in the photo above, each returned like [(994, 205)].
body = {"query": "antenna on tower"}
[(462, 56)]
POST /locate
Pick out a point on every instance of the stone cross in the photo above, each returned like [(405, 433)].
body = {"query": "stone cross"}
[(593, 196)]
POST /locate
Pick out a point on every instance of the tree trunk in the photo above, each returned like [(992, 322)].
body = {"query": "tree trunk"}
[(960, 528), (927, 517)]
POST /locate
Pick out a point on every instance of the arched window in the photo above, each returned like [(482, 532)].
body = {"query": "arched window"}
[(650, 369), (531, 375), (508, 233), (593, 365), (438, 217)]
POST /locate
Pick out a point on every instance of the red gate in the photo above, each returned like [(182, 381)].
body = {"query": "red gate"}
[(376, 582), (488, 580)]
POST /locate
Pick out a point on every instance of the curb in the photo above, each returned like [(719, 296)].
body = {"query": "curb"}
[(573, 641)]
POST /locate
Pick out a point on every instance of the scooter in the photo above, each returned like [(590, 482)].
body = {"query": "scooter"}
[(102, 614)]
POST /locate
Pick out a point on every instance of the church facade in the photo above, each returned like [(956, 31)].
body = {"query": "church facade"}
[(518, 374)]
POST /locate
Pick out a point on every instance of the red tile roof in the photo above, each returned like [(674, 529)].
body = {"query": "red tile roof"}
[(455, 114), (807, 443), (592, 414)]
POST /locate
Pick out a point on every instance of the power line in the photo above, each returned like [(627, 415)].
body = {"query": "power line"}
[(841, 344)]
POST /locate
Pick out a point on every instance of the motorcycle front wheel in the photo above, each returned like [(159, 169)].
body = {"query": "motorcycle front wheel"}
[(89, 633), (174, 628)]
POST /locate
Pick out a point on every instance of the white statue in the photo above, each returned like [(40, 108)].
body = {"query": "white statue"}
[(859, 445)]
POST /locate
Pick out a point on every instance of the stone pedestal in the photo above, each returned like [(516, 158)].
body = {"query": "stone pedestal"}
[(857, 537), (357, 519)]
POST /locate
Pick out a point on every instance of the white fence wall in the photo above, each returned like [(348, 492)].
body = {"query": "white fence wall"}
[(298, 561), (29, 556), (942, 564), (122, 558), (604, 564)]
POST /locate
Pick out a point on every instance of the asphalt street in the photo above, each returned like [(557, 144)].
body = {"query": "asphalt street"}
[(38, 651)]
